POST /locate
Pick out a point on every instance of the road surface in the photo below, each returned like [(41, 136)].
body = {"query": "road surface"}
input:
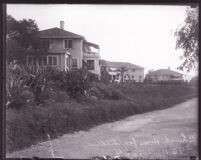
[(168, 133)]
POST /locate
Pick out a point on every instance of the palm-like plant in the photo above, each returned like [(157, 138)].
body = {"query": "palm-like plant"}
[(30, 78)]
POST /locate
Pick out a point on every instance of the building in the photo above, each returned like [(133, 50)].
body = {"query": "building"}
[(165, 75), (123, 71), (66, 50)]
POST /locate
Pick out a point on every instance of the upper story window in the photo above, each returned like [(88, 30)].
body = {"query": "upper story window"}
[(74, 63), (90, 64), (47, 44), (68, 43), (31, 60)]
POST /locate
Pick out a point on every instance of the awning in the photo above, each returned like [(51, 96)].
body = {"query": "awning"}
[(113, 73)]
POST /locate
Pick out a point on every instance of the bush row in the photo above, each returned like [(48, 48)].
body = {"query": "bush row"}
[(31, 124)]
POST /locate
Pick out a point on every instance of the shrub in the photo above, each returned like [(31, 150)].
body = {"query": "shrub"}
[(91, 77), (58, 114)]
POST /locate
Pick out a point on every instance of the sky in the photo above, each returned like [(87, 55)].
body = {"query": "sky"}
[(139, 34)]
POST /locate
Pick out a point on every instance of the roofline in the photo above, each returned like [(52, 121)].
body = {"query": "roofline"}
[(61, 37), (79, 36), (137, 67), (168, 70)]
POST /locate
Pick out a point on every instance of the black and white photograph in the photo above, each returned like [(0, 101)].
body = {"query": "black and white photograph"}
[(102, 81)]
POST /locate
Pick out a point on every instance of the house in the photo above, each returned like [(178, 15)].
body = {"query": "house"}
[(165, 75), (123, 71), (66, 50)]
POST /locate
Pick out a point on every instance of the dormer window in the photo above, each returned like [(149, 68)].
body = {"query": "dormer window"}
[(68, 43)]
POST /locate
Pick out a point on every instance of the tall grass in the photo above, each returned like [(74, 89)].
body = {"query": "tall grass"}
[(59, 112)]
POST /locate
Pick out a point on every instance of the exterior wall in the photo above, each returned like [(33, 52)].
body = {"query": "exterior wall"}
[(127, 75), (96, 65), (60, 60), (96, 57), (156, 78), (57, 46), (138, 75)]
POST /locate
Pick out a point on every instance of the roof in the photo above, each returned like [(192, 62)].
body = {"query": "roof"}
[(120, 64), (58, 33), (165, 72), (91, 44)]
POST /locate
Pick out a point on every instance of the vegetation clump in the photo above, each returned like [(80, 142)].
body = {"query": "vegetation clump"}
[(43, 101)]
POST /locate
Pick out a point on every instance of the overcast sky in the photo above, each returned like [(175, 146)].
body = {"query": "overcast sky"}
[(142, 35)]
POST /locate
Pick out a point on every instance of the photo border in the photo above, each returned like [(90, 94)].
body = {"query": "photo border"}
[(107, 2)]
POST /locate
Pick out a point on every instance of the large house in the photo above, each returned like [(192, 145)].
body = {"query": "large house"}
[(123, 71), (66, 50), (165, 75)]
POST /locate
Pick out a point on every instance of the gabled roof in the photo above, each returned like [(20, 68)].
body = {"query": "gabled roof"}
[(58, 33), (120, 64), (165, 72)]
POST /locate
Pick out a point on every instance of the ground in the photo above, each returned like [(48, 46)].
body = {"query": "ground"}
[(168, 133)]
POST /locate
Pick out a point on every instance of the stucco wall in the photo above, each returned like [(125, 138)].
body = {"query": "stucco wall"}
[(137, 73), (96, 65), (57, 46), (164, 78)]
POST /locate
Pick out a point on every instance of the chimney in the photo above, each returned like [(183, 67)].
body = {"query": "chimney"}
[(61, 24)]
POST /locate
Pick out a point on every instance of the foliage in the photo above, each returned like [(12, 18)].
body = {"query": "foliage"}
[(22, 38), (91, 77), (105, 77), (73, 82), (17, 94), (28, 79), (148, 78), (43, 81), (187, 39), (26, 126), (194, 81)]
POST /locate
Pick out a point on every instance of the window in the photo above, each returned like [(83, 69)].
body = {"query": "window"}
[(49, 60), (31, 60), (47, 44), (90, 64), (68, 43), (74, 63), (52, 60), (40, 61), (44, 61)]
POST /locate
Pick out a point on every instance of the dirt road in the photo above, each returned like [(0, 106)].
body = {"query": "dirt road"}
[(169, 133)]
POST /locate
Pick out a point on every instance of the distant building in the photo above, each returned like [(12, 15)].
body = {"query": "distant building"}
[(165, 75), (123, 71), (66, 50)]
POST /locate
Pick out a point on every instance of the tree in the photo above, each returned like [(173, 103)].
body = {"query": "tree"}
[(148, 78), (21, 38), (187, 39)]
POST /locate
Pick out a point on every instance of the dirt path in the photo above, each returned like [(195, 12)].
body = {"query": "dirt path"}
[(169, 133)]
